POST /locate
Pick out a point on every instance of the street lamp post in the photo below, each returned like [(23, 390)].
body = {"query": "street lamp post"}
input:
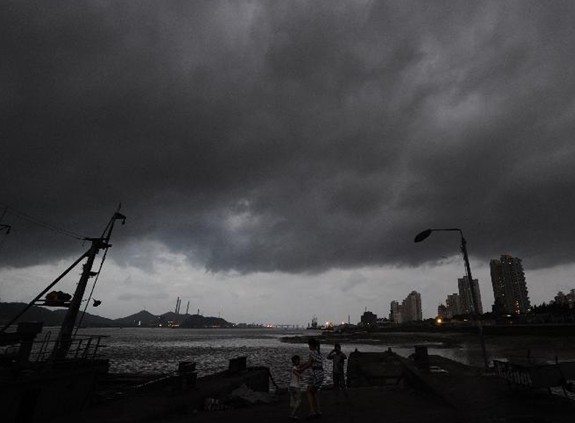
[(424, 235)]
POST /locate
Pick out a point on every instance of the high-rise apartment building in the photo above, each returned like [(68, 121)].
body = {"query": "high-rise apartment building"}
[(442, 312), (509, 286), (395, 312), (453, 305), (408, 311), (412, 307), (469, 297)]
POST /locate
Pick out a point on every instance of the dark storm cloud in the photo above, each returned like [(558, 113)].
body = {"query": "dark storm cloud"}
[(292, 136)]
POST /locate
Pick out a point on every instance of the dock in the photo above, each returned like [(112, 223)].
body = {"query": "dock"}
[(396, 390)]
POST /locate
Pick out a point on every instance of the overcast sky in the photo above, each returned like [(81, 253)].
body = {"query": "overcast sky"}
[(276, 159)]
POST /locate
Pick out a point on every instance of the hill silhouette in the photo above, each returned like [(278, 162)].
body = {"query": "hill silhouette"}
[(49, 317), (141, 319), (198, 321)]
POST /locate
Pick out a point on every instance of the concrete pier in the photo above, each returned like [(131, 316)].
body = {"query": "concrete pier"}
[(165, 398), (447, 392), (384, 388)]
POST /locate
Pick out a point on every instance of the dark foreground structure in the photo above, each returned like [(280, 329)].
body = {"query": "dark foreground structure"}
[(383, 387)]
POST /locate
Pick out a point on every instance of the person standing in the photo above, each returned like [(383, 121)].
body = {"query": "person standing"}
[(338, 358), (315, 377), (295, 387)]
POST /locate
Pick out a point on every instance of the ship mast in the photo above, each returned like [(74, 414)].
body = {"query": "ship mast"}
[(65, 337)]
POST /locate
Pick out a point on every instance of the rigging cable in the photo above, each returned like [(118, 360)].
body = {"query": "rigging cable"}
[(4, 213), (7, 227), (39, 222)]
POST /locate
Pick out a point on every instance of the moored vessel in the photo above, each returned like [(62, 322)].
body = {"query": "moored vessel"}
[(52, 379)]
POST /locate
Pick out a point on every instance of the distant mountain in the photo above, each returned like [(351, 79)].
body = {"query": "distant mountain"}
[(90, 320), (170, 319), (35, 314), (141, 319), (170, 315), (198, 321), (49, 317)]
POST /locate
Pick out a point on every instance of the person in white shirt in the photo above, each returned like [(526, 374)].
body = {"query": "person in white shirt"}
[(295, 387), (315, 377)]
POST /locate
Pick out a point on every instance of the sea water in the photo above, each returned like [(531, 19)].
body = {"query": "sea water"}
[(160, 350)]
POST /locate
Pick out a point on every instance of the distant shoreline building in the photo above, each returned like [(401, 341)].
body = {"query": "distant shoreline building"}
[(408, 311), (469, 297), (442, 311), (509, 286), (412, 307), (368, 319), (395, 315), (453, 305)]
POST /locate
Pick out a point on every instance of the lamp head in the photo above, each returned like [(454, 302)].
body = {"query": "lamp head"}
[(422, 235), (119, 216)]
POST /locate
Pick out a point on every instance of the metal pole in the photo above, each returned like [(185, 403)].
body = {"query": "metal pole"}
[(65, 336), (474, 313), (473, 302), (44, 291)]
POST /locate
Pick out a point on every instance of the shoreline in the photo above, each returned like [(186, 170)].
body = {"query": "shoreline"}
[(380, 338)]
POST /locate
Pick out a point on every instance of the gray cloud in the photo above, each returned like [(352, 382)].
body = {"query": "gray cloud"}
[(257, 136), (147, 296)]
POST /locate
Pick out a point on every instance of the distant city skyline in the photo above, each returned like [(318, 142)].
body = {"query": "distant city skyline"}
[(379, 309)]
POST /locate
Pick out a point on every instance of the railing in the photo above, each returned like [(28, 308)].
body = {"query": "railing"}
[(82, 347), (513, 373), (87, 347), (537, 376), (41, 355)]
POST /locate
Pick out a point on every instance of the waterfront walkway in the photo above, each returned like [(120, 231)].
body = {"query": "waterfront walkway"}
[(460, 394), (456, 393), (376, 404)]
